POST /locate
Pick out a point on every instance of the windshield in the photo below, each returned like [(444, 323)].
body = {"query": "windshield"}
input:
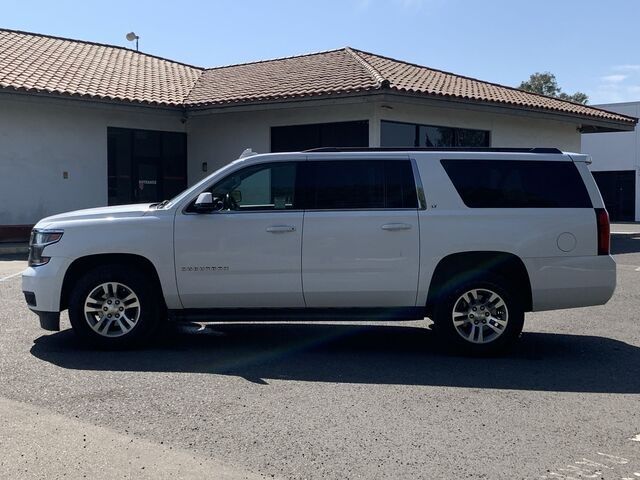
[(197, 186)]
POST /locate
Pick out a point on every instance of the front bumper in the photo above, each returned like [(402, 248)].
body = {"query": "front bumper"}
[(45, 283), (48, 320)]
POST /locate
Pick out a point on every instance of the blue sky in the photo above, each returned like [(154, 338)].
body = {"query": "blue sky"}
[(590, 45)]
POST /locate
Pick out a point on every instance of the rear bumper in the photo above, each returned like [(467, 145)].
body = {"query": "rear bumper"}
[(568, 282)]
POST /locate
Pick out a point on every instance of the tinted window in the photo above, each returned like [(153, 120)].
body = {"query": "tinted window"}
[(395, 134), (398, 134), (518, 184), (362, 184), (437, 137), (296, 138), (618, 189), (258, 187), (145, 165), (465, 137)]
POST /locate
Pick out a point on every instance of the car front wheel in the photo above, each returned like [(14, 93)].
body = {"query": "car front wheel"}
[(114, 307)]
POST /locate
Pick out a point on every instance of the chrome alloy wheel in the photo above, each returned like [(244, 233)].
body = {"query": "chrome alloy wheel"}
[(480, 316), (112, 309)]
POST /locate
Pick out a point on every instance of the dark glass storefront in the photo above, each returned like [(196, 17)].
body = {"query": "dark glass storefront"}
[(296, 138), (618, 189), (145, 165), (400, 134)]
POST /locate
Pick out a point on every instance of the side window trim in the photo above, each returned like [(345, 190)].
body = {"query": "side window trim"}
[(422, 200)]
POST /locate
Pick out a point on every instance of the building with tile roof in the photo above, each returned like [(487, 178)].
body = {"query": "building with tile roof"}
[(88, 124), (616, 165)]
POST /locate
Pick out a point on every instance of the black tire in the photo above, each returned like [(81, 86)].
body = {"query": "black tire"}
[(444, 310), (148, 316)]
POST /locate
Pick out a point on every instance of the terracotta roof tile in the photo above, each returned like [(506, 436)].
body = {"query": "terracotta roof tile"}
[(410, 78), (295, 77), (38, 63)]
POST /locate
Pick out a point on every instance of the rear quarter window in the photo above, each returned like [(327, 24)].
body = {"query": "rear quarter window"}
[(518, 184)]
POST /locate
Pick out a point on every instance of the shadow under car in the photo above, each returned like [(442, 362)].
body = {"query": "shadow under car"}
[(372, 354)]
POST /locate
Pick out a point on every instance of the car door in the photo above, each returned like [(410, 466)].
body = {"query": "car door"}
[(247, 254), (361, 236)]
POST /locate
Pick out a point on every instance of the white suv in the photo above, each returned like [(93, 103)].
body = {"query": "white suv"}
[(472, 239)]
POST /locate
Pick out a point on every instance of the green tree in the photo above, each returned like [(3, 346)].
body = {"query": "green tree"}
[(545, 83)]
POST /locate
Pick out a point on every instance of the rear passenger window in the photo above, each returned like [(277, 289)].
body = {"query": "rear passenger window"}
[(518, 184), (359, 184)]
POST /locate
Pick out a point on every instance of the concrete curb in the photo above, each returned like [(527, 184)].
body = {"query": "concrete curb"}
[(13, 248)]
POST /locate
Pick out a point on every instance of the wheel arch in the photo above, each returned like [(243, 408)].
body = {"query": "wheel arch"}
[(462, 266), (83, 264)]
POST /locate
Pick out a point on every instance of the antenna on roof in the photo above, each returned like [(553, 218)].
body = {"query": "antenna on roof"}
[(247, 153), (131, 36)]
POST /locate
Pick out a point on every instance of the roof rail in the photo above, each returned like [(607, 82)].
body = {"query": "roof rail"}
[(434, 149)]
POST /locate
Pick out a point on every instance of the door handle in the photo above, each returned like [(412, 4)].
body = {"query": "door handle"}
[(396, 226), (281, 228)]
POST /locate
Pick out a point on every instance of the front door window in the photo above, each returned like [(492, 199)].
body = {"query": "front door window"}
[(262, 187)]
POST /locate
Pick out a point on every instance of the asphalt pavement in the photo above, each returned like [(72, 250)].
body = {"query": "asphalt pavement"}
[(326, 401)]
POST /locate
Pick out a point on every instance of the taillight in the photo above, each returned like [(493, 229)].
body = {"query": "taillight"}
[(604, 239)]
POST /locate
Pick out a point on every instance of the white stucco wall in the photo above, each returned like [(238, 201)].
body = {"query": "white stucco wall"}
[(42, 138), (618, 150), (221, 137), (216, 138)]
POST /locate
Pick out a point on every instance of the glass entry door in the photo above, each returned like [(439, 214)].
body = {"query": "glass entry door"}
[(145, 166), (147, 190)]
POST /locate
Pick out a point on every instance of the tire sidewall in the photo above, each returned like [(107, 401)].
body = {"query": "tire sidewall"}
[(445, 327), (149, 309)]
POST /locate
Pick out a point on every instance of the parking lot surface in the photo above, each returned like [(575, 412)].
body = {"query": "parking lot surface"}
[(325, 401)]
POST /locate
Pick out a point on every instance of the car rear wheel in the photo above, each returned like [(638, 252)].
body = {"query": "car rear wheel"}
[(480, 317), (114, 307)]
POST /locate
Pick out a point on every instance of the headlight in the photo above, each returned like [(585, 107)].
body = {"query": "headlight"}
[(39, 240)]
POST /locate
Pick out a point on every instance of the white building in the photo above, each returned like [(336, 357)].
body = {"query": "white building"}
[(85, 124), (616, 165)]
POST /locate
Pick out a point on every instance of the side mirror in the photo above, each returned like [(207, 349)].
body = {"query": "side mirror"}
[(205, 204)]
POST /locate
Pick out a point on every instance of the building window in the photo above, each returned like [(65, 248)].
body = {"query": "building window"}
[(618, 189), (399, 134), (296, 138), (145, 165)]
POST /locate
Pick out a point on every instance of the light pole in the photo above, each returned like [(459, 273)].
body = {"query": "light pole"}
[(131, 37)]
